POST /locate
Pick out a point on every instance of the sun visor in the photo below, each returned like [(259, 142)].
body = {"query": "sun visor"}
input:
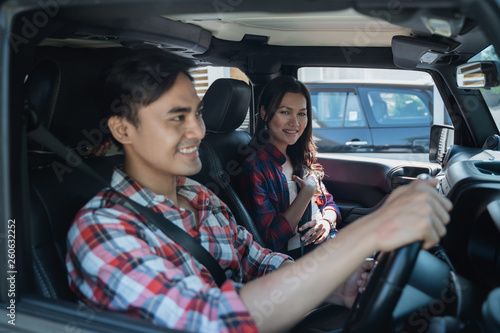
[(409, 52), (177, 37)]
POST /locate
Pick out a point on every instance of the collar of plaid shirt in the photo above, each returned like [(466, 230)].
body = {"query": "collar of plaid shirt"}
[(275, 154)]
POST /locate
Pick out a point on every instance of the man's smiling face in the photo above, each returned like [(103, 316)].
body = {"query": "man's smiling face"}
[(168, 135)]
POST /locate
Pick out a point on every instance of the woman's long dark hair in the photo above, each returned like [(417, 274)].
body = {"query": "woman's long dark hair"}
[(303, 153)]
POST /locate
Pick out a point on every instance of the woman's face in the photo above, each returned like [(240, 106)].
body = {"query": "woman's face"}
[(289, 122)]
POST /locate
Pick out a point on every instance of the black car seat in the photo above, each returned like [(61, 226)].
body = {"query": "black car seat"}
[(60, 92), (224, 147)]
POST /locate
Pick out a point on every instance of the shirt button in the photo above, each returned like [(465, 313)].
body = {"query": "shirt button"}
[(159, 198)]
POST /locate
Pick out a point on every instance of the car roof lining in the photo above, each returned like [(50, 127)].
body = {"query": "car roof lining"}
[(345, 27), (241, 35)]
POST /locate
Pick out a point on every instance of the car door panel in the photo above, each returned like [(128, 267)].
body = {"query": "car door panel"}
[(343, 139), (359, 185)]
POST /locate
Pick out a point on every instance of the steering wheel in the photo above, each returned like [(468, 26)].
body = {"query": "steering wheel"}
[(372, 309)]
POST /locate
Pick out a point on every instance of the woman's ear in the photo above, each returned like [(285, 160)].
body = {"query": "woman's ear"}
[(262, 113), (120, 128)]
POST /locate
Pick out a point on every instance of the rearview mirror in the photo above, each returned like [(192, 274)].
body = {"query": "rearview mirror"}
[(475, 75), (441, 139)]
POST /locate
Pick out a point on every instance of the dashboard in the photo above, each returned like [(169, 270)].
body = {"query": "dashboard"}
[(458, 282), (470, 178)]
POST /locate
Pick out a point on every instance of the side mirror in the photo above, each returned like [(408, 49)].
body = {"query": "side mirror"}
[(441, 139), (475, 75)]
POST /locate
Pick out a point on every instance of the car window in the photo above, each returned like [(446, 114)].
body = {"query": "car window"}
[(492, 95), (336, 109), (373, 112), (354, 112), (328, 108), (393, 107)]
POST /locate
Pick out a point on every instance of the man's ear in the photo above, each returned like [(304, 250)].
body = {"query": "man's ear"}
[(120, 127)]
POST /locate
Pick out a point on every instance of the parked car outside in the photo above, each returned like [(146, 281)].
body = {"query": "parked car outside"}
[(372, 117)]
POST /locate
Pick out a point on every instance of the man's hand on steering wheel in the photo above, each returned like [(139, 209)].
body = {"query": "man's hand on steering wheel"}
[(414, 216), (415, 212)]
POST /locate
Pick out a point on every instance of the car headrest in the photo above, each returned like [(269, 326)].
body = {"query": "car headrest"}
[(65, 97), (379, 110), (226, 104), (41, 85)]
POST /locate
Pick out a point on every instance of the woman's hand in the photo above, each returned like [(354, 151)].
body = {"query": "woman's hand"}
[(319, 230), (101, 149), (309, 184)]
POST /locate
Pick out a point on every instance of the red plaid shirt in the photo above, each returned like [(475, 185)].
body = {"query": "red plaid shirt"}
[(264, 192), (122, 262)]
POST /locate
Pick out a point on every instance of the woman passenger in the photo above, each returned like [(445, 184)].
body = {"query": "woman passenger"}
[(281, 178)]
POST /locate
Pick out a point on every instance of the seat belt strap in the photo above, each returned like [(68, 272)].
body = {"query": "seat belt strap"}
[(42, 136), (306, 217), (178, 235)]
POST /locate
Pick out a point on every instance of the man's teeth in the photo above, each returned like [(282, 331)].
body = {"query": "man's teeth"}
[(188, 150)]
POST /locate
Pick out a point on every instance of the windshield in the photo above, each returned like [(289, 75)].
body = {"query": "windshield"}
[(492, 95)]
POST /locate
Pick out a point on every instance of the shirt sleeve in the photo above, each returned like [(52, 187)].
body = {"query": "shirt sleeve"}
[(328, 203), (255, 260), (271, 223), (113, 263)]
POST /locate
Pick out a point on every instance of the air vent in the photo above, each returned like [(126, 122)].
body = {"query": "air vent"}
[(490, 169), (488, 172), (403, 175)]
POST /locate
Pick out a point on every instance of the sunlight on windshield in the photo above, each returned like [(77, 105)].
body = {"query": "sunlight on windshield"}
[(492, 95)]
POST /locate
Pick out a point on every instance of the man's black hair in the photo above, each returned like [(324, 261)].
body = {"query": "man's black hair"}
[(139, 79)]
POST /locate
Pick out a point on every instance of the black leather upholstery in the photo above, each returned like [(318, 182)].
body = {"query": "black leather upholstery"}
[(64, 94), (224, 148), (63, 98), (54, 204), (226, 105)]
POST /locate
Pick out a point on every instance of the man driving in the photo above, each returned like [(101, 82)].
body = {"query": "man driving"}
[(119, 260)]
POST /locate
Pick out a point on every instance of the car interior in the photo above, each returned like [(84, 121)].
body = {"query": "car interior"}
[(53, 57)]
